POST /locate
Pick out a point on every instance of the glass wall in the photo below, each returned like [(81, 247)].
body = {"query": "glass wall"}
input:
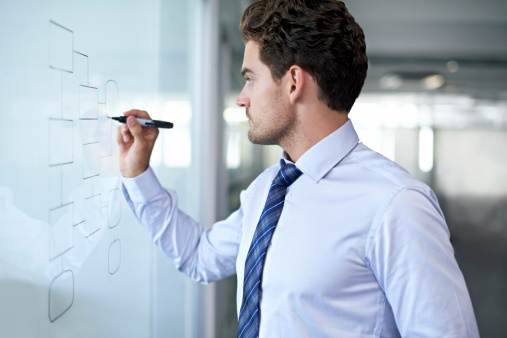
[(74, 261)]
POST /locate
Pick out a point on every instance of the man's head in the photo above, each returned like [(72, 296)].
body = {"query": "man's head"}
[(321, 37)]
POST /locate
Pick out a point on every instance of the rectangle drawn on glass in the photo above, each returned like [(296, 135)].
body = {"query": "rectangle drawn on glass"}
[(70, 97), (89, 131), (88, 103), (61, 295), (81, 68), (61, 47)]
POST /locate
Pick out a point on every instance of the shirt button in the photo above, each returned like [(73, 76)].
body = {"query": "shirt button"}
[(289, 196)]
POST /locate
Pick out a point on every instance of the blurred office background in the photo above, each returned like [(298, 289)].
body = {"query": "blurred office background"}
[(435, 101)]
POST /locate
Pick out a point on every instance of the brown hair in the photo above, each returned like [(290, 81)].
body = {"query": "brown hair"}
[(319, 36)]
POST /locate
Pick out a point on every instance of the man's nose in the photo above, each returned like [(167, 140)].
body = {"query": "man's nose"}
[(243, 100)]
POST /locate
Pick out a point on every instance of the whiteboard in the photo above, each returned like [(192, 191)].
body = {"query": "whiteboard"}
[(73, 259)]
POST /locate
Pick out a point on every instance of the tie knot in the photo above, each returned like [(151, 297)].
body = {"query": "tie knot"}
[(287, 175)]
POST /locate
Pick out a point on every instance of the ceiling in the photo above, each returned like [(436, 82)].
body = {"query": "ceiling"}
[(417, 38)]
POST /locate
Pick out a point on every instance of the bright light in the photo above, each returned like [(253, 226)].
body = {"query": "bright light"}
[(433, 82), (235, 115), (234, 149), (452, 66), (426, 149), (177, 148), (177, 143), (390, 81)]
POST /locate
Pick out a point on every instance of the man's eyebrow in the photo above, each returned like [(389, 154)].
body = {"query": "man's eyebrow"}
[(245, 70)]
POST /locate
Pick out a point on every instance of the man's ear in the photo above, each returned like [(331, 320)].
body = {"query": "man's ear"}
[(296, 82)]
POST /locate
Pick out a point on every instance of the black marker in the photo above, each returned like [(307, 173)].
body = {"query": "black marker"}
[(146, 122)]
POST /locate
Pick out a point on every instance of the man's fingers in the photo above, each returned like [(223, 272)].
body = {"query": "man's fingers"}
[(125, 133), (119, 136), (138, 113), (135, 129)]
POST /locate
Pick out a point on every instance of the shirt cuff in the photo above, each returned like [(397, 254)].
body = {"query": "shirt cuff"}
[(143, 188)]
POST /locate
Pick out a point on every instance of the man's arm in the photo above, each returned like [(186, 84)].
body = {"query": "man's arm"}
[(204, 255), (414, 263)]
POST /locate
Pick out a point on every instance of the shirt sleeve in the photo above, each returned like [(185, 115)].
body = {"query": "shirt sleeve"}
[(414, 263), (203, 255)]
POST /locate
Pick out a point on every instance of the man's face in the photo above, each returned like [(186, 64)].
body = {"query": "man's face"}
[(270, 115)]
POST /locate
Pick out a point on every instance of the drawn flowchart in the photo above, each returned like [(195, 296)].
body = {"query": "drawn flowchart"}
[(80, 140)]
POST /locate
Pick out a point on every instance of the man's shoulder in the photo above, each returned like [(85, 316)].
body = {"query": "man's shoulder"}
[(377, 171)]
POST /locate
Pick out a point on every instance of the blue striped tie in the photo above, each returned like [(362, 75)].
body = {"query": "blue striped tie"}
[(249, 315)]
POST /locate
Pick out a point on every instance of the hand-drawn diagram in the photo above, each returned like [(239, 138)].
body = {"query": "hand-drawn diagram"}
[(80, 140)]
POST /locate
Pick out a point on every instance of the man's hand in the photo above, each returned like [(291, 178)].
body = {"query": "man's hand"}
[(136, 144)]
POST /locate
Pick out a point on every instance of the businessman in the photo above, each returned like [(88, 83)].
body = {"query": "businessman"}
[(333, 241)]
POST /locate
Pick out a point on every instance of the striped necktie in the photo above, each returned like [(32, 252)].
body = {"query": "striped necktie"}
[(249, 315)]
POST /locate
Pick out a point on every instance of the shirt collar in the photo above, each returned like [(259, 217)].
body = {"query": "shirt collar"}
[(325, 155)]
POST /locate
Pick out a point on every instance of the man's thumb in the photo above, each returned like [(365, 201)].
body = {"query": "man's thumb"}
[(134, 127)]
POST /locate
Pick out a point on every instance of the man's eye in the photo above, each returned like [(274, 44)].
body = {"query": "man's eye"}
[(248, 79)]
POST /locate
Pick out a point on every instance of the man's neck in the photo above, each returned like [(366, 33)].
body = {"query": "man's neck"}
[(312, 128)]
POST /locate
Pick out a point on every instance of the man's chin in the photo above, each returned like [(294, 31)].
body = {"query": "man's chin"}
[(256, 139)]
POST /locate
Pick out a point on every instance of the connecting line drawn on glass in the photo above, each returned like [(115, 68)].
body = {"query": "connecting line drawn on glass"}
[(61, 151), (61, 47), (112, 102), (87, 67), (114, 257), (61, 225), (59, 302), (75, 225)]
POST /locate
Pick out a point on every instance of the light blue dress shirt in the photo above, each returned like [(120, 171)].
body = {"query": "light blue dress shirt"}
[(361, 248)]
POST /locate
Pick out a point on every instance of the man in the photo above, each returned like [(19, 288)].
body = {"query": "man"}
[(336, 240)]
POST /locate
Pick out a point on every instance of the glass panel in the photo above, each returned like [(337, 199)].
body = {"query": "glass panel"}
[(74, 261)]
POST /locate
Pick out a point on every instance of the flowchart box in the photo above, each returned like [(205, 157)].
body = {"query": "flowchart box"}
[(75, 189), (91, 160), (81, 68), (60, 142), (61, 295), (61, 47), (89, 131), (114, 256), (70, 97), (61, 223), (112, 99), (88, 103)]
